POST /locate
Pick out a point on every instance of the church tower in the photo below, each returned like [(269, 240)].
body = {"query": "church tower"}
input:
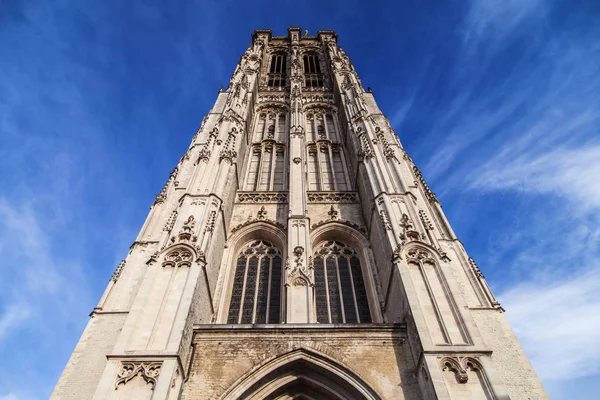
[(296, 252)]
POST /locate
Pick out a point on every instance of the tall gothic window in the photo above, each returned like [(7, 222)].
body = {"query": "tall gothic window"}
[(340, 290), (256, 294), (266, 168), (277, 72), (326, 168), (312, 71)]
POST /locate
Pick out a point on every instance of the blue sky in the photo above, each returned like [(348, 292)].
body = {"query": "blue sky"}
[(496, 101)]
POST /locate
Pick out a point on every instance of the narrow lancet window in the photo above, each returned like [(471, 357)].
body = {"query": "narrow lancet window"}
[(277, 71), (312, 71)]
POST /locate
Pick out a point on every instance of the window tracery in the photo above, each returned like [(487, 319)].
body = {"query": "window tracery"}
[(313, 77), (277, 71), (266, 164), (340, 291), (256, 293)]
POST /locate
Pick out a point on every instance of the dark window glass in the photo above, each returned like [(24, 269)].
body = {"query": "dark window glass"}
[(263, 291), (277, 72), (257, 285), (347, 292), (275, 297), (321, 292), (248, 308), (236, 294), (312, 71), (333, 260), (359, 290)]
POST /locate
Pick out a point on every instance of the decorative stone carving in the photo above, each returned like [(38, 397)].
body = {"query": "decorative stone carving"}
[(171, 221), (388, 151), (273, 98), (262, 213), (229, 155), (162, 195), (425, 220), (210, 224), (262, 197), (297, 132), (298, 274), (365, 152), (186, 232), (178, 258), (251, 221), (453, 364), (428, 193), (475, 268), (385, 220), (359, 228), (333, 214), (418, 254), (297, 160), (332, 197), (149, 371), (409, 232), (490, 296), (117, 273), (298, 223), (298, 251)]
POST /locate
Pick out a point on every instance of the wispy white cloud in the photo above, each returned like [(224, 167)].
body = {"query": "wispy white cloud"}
[(524, 122), (572, 174), (10, 396), (557, 320)]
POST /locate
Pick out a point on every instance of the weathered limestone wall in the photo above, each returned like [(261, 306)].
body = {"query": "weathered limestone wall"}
[(375, 353), (84, 369), (515, 370)]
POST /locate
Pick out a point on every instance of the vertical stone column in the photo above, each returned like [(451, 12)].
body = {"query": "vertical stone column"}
[(299, 281)]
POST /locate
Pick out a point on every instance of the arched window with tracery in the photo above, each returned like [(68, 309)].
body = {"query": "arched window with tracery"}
[(341, 296), (256, 294)]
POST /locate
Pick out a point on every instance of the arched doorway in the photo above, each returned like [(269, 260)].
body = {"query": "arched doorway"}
[(301, 374)]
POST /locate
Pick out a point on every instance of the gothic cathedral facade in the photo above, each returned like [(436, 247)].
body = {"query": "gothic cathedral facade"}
[(296, 252)]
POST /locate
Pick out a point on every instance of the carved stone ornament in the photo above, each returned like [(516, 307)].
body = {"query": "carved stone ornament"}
[(359, 228), (332, 197), (171, 221), (475, 268), (454, 365), (178, 258), (297, 160), (251, 221), (262, 197), (297, 132), (428, 193), (210, 224), (385, 220), (262, 213), (461, 366), (229, 155), (298, 274), (425, 220), (149, 371), (409, 232), (186, 232), (418, 254), (117, 273), (333, 213)]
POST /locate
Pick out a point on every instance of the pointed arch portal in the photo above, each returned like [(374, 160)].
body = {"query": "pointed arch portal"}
[(300, 375)]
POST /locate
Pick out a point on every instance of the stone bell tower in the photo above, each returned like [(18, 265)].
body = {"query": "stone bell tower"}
[(296, 252)]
